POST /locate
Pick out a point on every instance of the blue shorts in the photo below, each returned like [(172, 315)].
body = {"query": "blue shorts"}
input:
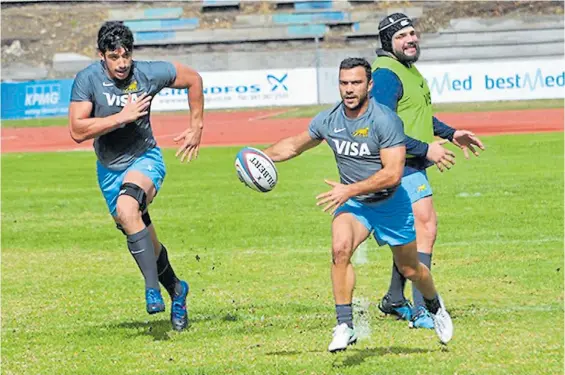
[(416, 184), (391, 221), (150, 164)]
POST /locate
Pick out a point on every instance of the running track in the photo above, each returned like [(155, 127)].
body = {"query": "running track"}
[(245, 128)]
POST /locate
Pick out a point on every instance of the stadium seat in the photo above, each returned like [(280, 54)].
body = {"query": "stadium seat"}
[(163, 25), (144, 14)]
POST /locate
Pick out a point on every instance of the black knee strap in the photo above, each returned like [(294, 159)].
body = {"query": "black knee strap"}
[(119, 226), (135, 192), (146, 219)]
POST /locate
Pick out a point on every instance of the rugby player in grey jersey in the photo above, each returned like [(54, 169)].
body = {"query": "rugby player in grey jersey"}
[(110, 103), (368, 142)]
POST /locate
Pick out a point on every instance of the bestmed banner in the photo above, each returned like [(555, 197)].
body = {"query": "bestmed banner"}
[(248, 88), (495, 80), (33, 99)]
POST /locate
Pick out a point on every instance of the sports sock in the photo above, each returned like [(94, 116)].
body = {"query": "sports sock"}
[(141, 248), (396, 288), (344, 314), (166, 273), (418, 297), (432, 304)]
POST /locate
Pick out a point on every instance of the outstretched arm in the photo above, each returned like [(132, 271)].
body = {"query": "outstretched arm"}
[(464, 139), (188, 78), (291, 147), (442, 130)]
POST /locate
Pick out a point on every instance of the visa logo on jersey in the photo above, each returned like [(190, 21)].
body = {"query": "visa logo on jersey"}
[(119, 100), (351, 148)]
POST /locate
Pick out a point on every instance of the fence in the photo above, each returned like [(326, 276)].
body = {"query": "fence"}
[(450, 82)]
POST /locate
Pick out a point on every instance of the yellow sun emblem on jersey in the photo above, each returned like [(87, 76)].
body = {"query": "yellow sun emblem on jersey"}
[(132, 87), (363, 132)]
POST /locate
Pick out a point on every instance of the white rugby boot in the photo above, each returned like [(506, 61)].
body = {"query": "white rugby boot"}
[(342, 337), (442, 323)]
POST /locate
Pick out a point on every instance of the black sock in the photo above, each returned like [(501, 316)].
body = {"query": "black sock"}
[(166, 273), (418, 297), (344, 314), (396, 288), (141, 248), (432, 304)]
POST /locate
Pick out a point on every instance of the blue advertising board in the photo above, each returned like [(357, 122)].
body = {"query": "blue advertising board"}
[(33, 99)]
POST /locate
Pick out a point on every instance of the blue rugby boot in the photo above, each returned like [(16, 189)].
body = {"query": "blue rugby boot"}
[(154, 301), (402, 310), (421, 319), (179, 315)]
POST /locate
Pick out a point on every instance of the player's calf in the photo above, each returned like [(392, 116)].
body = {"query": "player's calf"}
[(139, 242)]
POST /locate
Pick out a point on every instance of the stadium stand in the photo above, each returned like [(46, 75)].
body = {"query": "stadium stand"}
[(145, 14), (163, 24), (214, 34), (220, 5), (313, 5), (230, 36)]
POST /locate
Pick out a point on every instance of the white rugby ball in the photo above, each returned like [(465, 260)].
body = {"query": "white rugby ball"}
[(256, 170)]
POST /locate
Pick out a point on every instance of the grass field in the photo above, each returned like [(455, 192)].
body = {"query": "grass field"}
[(258, 265), (311, 111)]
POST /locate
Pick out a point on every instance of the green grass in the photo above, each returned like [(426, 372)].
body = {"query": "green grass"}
[(311, 111), (261, 300), (35, 122)]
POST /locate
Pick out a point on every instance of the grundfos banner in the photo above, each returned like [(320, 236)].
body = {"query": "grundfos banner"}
[(243, 89)]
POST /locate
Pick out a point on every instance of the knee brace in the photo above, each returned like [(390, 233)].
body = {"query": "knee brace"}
[(120, 228), (146, 219), (139, 195), (135, 192)]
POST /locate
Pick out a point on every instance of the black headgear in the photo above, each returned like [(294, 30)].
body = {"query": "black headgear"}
[(389, 26)]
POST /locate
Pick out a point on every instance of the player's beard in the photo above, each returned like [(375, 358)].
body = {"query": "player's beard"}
[(403, 58), (362, 100)]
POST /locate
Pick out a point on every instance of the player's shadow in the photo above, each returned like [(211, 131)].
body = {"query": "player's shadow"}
[(353, 357), (294, 352), (161, 329), (158, 329)]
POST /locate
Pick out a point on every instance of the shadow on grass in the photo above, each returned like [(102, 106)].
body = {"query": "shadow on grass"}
[(355, 357), (158, 329), (161, 329)]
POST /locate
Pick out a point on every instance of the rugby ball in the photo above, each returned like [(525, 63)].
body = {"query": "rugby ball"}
[(255, 169)]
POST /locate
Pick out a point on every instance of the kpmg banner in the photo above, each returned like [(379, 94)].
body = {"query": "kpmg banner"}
[(495, 80), (35, 99), (251, 88)]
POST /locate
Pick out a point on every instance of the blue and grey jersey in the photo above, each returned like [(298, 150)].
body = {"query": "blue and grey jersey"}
[(119, 148), (357, 143)]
